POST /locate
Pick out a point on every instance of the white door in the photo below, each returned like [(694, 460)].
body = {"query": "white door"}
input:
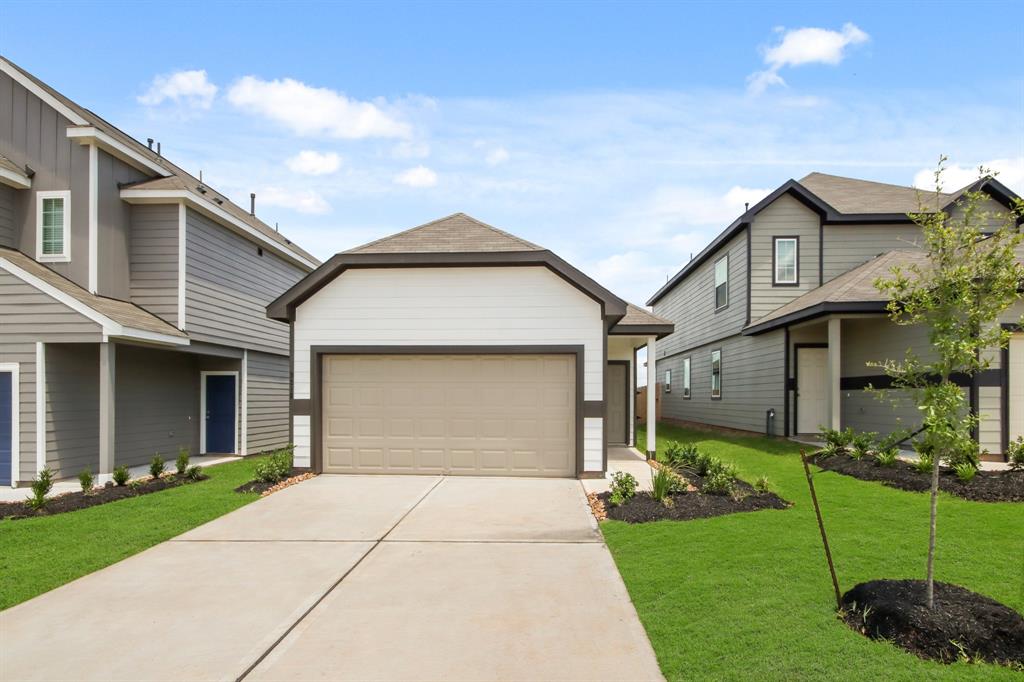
[(811, 389), (1016, 386)]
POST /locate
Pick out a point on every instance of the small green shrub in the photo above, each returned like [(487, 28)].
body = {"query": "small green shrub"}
[(862, 444), (41, 487), (673, 453), (616, 499), (182, 461), (662, 483), (704, 463), (135, 484), (1015, 454), (194, 472), (887, 457), (86, 480), (718, 483), (121, 475), (965, 471), (839, 440), (923, 464), (762, 484), (156, 466), (624, 484)]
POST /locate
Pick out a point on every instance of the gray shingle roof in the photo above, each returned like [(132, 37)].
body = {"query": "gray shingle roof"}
[(850, 195), (122, 312), (457, 233), (637, 315)]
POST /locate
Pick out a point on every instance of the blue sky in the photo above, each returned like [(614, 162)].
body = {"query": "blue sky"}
[(623, 136)]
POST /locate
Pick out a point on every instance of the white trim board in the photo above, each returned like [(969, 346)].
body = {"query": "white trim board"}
[(87, 134), (14, 369), (15, 179), (243, 441), (111, 329), (40, 406), (41, 93), (182, 245), (202, 405), (94, 219), (65, 257)]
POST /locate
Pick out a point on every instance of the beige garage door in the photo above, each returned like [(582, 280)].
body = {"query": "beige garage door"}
[(490, 415)]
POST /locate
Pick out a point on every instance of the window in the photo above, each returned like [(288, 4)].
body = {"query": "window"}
[(53, 210), (785, 256), (721, 282), (716, 374), (686, 377), (668, 381)]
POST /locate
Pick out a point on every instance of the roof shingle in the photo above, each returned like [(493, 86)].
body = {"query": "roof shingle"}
[(457, 233), (850, 195)]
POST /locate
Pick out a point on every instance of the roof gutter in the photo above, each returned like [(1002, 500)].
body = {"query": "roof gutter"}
[(814, 311)]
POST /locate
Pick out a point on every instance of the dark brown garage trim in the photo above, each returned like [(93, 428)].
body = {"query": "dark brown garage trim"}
[(316, 354)]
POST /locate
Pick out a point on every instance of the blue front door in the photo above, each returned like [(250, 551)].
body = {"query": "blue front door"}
[(220, 413), (6, 426)]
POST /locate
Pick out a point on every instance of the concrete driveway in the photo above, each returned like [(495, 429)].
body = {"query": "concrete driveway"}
[(352, 578)]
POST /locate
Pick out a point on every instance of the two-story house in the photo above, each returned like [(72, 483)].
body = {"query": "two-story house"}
[(132, 299), (777, 320)]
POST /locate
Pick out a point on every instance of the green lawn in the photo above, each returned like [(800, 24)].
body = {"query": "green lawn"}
[(749, 596), (37, 555)]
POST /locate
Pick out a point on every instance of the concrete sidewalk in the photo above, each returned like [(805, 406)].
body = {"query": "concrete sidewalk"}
[(352, 577)]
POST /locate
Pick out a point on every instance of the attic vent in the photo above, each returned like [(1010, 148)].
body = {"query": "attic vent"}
[(218, 200)]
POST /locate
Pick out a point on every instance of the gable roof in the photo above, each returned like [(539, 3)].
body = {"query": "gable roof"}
[(84, 119), (840, 200), (457, 240), (852, 291), (457, 233), (128, 319), (638, 321)]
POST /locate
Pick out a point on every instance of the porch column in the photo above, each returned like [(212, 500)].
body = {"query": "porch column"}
[(652, 388), (107, 383), (834, 371)]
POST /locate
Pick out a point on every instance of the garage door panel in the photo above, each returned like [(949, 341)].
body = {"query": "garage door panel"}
[(468, 414)]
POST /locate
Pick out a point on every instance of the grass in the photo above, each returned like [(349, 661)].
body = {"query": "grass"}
[(40, 554), (749, 595)]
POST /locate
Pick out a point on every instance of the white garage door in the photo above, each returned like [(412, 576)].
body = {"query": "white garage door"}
[(489, 415)]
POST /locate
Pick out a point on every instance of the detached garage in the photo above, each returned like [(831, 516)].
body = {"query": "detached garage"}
[(457, 348)]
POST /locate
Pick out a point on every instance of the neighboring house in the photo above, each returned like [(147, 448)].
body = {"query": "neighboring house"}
[(132, 300), (778, 318), (456, 348)]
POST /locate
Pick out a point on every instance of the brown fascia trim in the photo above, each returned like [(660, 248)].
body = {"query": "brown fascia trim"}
[(316, 354), (657, 330), (283, 308), (814, 311)]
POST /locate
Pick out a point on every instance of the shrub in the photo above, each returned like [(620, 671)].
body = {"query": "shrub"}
[(156, 466), (704, 463), (673, 453), (862, 444), (86, 479), (838, 440), (718, 483), (762, 484), (1015, 453), (194, 472), (666, 483), (624, 484), (41, 487), (887, 457), (121, 475), (616, 499), (923, 465), (182, 462), (965, 471)]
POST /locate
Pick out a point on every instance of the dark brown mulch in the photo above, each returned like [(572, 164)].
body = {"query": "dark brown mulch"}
[(692, 505), (263, 486), (986, 486), (963, 623), (74, 501)]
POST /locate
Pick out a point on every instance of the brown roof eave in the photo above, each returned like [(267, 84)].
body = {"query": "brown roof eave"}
[(814, 311)]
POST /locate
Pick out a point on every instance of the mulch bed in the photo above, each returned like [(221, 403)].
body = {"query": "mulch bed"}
[(74, 501), (691, 505), (986, 486), (962, 624), (264, 488)]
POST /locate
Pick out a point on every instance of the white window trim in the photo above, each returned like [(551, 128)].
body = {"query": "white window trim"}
[(713, 394), (796, 260), (686, 377), (14, 369), (64, 257), (715, 286), (202, 405), (668, 381)]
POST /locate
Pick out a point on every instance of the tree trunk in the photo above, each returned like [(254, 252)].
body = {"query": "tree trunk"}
[(931, 532)]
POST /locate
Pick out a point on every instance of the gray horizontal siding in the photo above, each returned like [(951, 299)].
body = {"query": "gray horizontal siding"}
[(28, 315), (691, 304), (267, 381), (228, 286), (752, 382), (877, 339), (24, 354), (154, 259), (8, 216), (784, 217), (72, 408), (847, 246)]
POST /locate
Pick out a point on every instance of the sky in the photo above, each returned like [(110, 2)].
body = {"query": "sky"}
[(622, 136)]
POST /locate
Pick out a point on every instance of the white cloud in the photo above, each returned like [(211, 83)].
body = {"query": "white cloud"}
[(409, 149), (420, 176), (497, 156), (804, 46), (301, 200), (1010, 172), (307, 110), (308, 162), (191, 88)]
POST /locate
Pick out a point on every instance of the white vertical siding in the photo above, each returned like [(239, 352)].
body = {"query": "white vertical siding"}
[(301, 437), (593, 444)]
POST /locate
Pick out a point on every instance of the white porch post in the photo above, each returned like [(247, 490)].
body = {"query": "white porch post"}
[(243, 445), (40, 406), (107, 383), (834, 371), (652, 388)]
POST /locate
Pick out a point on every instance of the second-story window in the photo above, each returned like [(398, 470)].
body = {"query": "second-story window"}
[(786, 259), (52, 219), (686, 377), (722, 282)]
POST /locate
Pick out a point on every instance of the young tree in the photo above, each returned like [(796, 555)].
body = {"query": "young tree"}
[(970, 278)]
